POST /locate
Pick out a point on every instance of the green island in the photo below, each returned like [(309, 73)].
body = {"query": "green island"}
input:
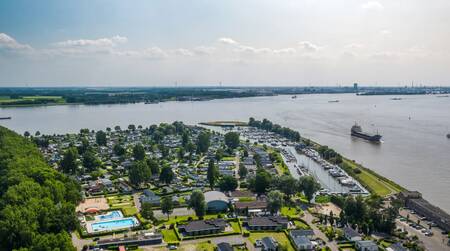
[(190, 187)]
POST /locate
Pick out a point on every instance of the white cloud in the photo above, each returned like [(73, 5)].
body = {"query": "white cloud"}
[(308, 46), (9, 43), (372, 6), (227, 40), (101, 42)]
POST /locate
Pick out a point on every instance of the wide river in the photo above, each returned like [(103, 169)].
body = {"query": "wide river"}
[(414, 153)]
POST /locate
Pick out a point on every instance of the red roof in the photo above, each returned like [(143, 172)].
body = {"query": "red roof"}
[(92, 210)]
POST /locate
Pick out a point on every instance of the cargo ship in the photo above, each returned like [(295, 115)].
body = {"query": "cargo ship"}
[(3, 118), (357, 132)]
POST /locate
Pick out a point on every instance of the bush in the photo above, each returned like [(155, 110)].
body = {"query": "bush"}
[(246, 233), (357, 171)]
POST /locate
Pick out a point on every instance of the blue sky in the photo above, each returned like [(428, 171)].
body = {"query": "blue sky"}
[(251, 42)]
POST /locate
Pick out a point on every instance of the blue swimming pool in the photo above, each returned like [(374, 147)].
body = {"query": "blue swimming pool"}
[(114, 224), (110, 216)]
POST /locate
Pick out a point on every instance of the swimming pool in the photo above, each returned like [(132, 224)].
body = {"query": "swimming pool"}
[(109, 216), (114, 224)]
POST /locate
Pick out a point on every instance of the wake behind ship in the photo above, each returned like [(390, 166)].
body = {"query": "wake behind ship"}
[(357, 132)]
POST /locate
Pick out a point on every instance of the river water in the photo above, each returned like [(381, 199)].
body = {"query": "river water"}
[(414, 153)]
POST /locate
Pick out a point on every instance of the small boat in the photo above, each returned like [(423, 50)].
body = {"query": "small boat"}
[(333, 101), (294, 97), (396, 98), (4, 118), (448, 135)]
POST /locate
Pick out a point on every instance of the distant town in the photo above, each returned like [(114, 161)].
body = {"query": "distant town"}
[(228, 185)]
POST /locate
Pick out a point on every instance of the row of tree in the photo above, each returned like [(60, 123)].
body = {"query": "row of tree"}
[(267, 125)]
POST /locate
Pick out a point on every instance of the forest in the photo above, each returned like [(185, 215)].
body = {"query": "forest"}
[(37, 203)]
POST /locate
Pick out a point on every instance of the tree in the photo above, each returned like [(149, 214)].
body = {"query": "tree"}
[(203, 142), (309, 186), (37, 134), (26, 134), (197, 202), (154, 166), (117, 128), (84, 145), (139, 173), (166, 175), (185, 139), (100, 138), (274, 201), (131, 127), (232, 139), (69, 162), (146, 211), (167, 206), (138, 152), (288, 185), (213, 173), (228, 183), (242, 170), (262, 181), (119, 150), (90, 161)]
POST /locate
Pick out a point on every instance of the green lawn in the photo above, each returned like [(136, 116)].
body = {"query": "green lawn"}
[(301, 224), (280, 237), (376, 183), (235, 226), (291, 212), (169, 235), (129, 211)]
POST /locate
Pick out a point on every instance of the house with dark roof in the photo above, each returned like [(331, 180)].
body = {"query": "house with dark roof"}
[(351, 234), (302, 243), (148, 196), (224, 246), (250, 207), (269, 244), (141, 239), (396, 247), (266, 223), (308, 233), (366, 245), (203, 227)]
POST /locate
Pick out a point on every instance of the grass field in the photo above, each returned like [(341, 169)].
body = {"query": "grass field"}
[(291, 212), (280, 237), (6, 100), (169, 235), (372, 181)]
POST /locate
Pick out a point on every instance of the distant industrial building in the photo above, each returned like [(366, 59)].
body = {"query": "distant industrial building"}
[(414, 201)]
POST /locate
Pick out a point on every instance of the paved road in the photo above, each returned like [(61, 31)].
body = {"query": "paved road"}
[(436, 242), (309, 218), (79, 243), (137, 202)]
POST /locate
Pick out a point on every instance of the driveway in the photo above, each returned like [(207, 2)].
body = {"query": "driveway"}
[(309, 218)]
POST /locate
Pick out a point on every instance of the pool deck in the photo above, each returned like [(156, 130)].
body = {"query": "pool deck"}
[(98, 219)]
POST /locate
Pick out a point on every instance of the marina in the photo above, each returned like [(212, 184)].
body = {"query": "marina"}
[(306, 161)]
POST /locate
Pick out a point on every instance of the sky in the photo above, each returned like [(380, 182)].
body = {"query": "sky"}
[(232, 42)]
